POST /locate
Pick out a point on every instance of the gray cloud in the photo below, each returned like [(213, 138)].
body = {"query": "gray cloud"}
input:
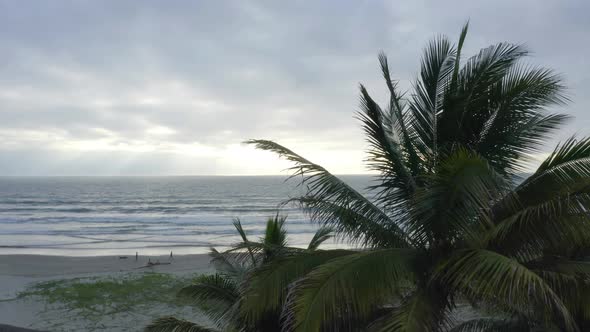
[(173, 87)]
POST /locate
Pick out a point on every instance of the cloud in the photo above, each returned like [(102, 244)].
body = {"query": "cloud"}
[(173, 87)]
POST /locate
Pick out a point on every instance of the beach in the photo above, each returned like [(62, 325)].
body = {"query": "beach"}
[(31, 286), (62, 240)]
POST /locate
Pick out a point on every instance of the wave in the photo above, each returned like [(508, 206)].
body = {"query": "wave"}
[(115, 212), (170, 211)]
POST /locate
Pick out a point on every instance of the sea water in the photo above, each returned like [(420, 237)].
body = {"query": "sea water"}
[(80, 216)]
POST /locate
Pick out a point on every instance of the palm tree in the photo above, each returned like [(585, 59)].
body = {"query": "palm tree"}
[(219, 294), (449, 220)]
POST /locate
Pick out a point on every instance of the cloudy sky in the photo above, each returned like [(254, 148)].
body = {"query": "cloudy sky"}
[(172, 87)]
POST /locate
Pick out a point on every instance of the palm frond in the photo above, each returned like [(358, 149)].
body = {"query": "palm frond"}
[(485, 275), (238, 225), (492, 325), (267, 286), (427, 102), (275, 237), (422, 310), (214, 287), (562, 269), (354, 223), (551, 206), (397, 121), (457, 64), (171, 324), (320, 236), (385, 153), (242, 253), (325, 187), (227, 264), (467, 107), (569, 279), (489, 66), (510, 145), (456, 205), (350, 287), (571, 150), (554, 225), (514, 127), (565, 171)]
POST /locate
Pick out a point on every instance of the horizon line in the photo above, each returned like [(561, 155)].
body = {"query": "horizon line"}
[(174, 175)]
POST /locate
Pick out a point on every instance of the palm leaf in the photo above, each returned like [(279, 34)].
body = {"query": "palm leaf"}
[(509, 142), (427, 102), (457, 64), (385, 154), (353, 222), (213, 287), (323, 186), (491, 276), (456, 204), (569, 278), (227, 264), (551, 206), (467, 107), (565, 171), (238, 225), (492, 325), (171, 324), (396, 123), (320, 236), (216, 295), (275, 237), (357, 283), (558, 224), (424, 310), (514, 125), (570, 151), (266, 288)]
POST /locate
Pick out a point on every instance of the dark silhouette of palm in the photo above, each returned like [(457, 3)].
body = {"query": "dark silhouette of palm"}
[(449, 220)]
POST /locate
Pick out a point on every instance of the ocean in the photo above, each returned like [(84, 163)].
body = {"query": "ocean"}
[(86, 216)]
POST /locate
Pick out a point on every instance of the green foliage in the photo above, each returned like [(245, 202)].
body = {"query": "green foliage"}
[(99, 296), (267, 287), (487, 275), (211, 287), (444, 221), (493, 325), (446, 154), (336, 201), (171, 324), (321, 235), (107, 303), (222, 295), (342, 283)]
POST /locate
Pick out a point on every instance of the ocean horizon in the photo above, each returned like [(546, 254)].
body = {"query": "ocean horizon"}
[(151, 215)]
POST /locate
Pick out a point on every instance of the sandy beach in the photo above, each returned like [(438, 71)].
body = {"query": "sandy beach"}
[(24, 277)]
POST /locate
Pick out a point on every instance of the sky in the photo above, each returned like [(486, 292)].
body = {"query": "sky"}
[(119, 87)]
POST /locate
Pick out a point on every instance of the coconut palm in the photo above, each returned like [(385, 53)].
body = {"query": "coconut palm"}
[(448, 219), (218, 295)]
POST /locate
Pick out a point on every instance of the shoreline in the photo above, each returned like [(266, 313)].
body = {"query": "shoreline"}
[(178, 250), (32, 265)]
